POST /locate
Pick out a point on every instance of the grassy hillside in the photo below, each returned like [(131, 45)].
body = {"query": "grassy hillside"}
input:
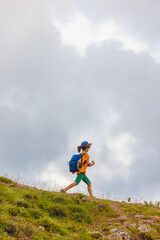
[(29, 213)]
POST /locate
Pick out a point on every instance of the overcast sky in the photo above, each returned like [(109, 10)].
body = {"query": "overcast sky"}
[(82, 70)]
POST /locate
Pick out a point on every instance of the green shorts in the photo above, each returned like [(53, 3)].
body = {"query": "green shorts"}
[(83, 177)]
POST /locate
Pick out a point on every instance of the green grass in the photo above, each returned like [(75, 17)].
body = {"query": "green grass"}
[(27, 213)]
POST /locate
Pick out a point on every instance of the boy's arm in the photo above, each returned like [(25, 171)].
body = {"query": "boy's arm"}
[(91, 164)]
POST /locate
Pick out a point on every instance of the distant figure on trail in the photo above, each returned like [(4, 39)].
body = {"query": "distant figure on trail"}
[(81, 174)]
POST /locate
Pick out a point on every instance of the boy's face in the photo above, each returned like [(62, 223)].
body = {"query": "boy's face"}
[(87, 148)]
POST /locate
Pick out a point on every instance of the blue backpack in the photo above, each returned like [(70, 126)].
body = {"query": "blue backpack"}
[(75, 163)]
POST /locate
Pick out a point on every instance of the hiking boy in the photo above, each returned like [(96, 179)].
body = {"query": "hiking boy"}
[(81, 174)]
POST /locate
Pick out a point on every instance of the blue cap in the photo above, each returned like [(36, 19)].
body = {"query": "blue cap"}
[(85, 143)]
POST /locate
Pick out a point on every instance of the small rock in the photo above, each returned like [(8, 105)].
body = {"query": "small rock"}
[(140, 227), (143, 228), (118, 234), (41, 228)]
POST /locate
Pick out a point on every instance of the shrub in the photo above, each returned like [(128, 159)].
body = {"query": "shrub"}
[(51, 226), (146, 203), (76, 209), (28, 196), (11, 229), (157, 204), (56, 211), (13, 185), (22, 204), (57, 229), (42, 206), (5, 180), (80, 195), (14, 211), (144, 236), (28, 231), (35, 213), (79, 214), (101, 207), (77, 200), (80, 217), (46, 223), (60, 199), (151, 204), (35, 197)]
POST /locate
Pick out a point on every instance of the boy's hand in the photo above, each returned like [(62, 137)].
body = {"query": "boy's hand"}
[(73, 172), (93, 162)]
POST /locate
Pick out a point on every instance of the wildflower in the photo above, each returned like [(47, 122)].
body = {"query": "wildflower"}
[(148, 221), (114, 205), (126, 224), (123, 217), (19, 185), (101, 206), (87, 199), (139, 216), (156, 217)]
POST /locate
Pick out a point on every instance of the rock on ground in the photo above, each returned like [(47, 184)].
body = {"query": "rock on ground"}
[(118, 234)]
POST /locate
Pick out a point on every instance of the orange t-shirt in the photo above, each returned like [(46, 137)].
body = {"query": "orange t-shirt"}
[(85, 157)]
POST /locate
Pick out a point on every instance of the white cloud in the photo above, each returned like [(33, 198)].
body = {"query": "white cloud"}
[(120, 153), (80, 32), (53, 178), (121, 148), (16, 101)]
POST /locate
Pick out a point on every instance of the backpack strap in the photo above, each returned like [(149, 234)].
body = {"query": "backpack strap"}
[(85, 161)]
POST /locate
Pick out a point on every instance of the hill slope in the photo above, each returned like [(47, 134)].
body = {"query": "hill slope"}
[(30, 213)]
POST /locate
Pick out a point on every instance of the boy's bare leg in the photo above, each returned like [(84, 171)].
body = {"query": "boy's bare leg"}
[(69, 187), (90, 189)]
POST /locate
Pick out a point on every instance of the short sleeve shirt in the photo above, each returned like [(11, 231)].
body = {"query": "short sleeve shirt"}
[(85, 157)]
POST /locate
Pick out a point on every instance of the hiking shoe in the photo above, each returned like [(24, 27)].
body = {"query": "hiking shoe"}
[(62, 190)]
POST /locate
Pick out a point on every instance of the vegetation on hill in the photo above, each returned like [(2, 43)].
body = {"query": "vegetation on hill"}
[(30, 213)]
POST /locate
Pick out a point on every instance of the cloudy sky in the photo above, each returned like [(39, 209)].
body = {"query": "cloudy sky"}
[(81, 70)]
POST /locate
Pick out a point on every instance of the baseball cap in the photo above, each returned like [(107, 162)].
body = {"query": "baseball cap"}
[(85, 143)]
